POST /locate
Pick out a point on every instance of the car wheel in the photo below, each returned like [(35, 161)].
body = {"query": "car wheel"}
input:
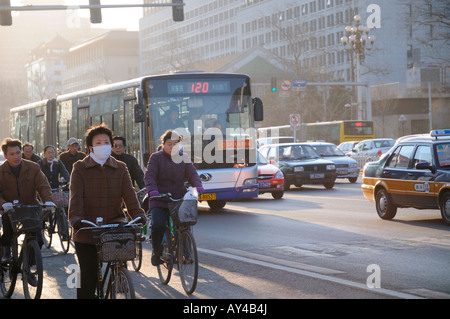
[(216, 204), (445, 207), (385, 207), (277, 195), (329, 185), (352, 179)]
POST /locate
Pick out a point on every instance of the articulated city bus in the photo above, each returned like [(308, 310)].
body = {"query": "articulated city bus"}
[(214, 113)]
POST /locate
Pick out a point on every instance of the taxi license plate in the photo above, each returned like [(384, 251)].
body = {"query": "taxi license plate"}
[(316, 176), (207, 196)]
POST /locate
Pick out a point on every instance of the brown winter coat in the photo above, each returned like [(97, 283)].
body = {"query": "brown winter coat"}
[(31, 181), (97, 191)]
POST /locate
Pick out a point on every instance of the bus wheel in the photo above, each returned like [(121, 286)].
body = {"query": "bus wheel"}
[(216, 204)]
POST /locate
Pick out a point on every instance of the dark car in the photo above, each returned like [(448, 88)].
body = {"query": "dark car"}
[(300, 164), (414, 173)]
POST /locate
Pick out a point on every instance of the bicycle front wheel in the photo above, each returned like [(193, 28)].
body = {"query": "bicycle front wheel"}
[(32, 270), (63, 230), (187, 261), (124, 288), (165, 269), (137, 261), (8, 272), (48, 230)]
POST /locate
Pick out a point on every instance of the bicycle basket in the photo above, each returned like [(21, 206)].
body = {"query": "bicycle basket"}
[(61, 199), (184, 212), (26, 219), (117, 245)]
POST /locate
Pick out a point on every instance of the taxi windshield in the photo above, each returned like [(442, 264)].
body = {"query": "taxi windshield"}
[(443, 153)]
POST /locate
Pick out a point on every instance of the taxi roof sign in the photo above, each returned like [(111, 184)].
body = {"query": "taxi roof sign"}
[(437, 133)]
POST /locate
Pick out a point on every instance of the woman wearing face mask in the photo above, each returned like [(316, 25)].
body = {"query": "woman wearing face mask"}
[(53, 168), (99, 183)]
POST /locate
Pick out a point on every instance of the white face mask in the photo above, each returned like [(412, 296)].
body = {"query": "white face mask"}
[(101, 153)]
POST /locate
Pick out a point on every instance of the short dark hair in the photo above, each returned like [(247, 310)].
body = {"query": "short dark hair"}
[(96, 130), (120, 138), (10, 142), (168, 136), (27, 144)]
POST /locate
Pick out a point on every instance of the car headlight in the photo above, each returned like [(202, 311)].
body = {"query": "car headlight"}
[(353, 165), (279, 175), (331, 167), (250, 182), (299, 169)]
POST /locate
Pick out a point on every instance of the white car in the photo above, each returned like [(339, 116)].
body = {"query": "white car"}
[(371, 150), (2, 158), (347, 147)]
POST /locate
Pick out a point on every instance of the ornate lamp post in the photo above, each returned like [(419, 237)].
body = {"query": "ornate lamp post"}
[(357, 41)]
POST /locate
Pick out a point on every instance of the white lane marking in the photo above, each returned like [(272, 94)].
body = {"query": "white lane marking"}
[(311, 274), (278, 261)]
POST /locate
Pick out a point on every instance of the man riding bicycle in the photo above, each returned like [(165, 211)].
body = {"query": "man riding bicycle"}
[(20, 180)]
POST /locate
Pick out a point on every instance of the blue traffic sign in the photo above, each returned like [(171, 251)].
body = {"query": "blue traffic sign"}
[(299, 83)]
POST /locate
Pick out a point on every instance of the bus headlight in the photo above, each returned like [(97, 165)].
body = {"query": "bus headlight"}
[(331, 167)]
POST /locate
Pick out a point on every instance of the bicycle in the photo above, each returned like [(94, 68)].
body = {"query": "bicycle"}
[(137, 262), (27, 220), (178, 247), (116, 244), (58, 221)]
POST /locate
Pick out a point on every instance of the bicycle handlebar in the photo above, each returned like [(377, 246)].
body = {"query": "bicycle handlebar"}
[(16, 204), (97, 226), (166, 196), (142, 190)]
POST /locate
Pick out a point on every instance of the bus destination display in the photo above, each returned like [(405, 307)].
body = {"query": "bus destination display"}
[(198, 87)]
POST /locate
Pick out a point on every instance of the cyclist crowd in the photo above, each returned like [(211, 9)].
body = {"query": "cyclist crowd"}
[(101, 181)]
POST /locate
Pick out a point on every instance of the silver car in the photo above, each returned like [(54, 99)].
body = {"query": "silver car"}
[(347, 147), (371, 150), (346, 167)]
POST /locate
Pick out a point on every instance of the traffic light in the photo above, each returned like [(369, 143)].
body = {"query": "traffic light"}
[(5, 16), (96, 14), (273, 84), (177, 11)]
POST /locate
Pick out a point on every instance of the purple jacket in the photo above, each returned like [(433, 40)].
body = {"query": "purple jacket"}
[(165, 176)]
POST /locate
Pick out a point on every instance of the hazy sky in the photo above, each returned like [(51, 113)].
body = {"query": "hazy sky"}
[(127, 18)]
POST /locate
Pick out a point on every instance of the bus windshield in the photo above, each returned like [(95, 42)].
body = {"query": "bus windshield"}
[(203, 110)]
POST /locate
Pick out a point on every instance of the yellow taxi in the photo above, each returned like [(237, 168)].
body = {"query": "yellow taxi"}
[(415, 172)]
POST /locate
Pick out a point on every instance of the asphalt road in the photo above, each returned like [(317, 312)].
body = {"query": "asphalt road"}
[(313, 243)]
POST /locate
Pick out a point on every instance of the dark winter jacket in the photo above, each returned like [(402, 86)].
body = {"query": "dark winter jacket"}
[(53, 175), (165, 176), (136, 173)]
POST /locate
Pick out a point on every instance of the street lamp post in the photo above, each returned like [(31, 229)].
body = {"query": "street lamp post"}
[(358, 41)]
